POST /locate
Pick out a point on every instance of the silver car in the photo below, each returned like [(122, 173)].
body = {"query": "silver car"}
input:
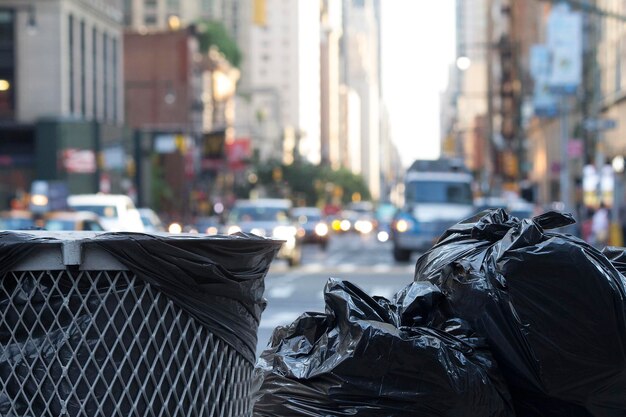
[(268, 217)]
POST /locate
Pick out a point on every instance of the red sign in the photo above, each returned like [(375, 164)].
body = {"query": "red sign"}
[(238, 153), (79, 161)]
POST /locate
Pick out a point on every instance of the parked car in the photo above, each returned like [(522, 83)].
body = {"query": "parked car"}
[(340, 222), (312, 222), (117, 211), (17, 220), (71, 220), (151, 221), (271, 218)]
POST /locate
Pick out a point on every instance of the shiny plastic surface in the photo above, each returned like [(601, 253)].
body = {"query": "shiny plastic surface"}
[(369, 356), (551, 307)]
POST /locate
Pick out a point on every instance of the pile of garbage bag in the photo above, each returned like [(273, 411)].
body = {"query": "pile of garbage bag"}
[(375, 357), (504, 317)]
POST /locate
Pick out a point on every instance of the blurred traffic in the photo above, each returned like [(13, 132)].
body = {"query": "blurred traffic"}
[(437, 194)]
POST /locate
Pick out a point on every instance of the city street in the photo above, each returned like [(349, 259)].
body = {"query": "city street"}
[(361, 260)]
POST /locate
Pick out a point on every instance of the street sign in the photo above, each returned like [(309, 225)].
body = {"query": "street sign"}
[(596, 125)]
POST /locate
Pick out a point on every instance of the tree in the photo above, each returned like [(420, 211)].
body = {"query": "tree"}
[(311, 184), (213, 33)]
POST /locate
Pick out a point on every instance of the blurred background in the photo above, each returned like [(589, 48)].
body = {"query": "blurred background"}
[(188, 105)]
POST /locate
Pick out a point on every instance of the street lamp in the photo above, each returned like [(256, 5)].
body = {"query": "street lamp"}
[(463, 63)]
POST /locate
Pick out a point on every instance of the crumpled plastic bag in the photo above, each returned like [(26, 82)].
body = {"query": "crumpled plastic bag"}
[(369, 356), (551, 307)]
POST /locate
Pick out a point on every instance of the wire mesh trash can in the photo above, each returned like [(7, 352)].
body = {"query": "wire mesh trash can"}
[(91, 326)]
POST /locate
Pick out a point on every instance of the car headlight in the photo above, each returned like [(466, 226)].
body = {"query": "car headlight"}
[(321, 229), (175, 228), (233, 229), (39, 200), (382, 236), (345, 225), (284, 232), (257, 231), (403, 225), (363, 226), (211, 230)]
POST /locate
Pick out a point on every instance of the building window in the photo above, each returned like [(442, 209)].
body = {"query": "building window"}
[(173, 4), (94, 69), (150, 19), (70, 29), (83, 71), (105, 77), (206, 6), (150, 3), (7, 64), (128, 13)]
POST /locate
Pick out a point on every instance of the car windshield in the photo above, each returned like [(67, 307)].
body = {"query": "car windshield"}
[(102, 211), (385, 212), (258, 214), (59, 225), (443, 192), (308, 218), (147, 221)]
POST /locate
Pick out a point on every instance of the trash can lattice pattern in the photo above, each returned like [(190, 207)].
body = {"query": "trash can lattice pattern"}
[(106, 343)]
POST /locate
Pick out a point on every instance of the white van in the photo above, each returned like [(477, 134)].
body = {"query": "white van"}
[(117, 211)]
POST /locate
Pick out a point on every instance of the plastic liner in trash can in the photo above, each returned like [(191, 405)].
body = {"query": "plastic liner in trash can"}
[(375, 357), (551, 307), (129, 324)]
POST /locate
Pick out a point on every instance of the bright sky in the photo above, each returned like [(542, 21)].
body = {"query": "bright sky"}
[(417, 49)]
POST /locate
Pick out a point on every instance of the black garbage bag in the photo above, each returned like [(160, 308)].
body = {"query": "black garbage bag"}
[(617, 256), (551, 307), (374, 357)]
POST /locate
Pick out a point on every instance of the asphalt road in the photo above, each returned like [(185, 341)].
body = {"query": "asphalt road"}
[(360, 259)]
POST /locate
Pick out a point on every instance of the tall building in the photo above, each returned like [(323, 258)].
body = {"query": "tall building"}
[(158, 15), (472, 96), (361, 60), (330, 17), (166, 108), (61, 92), (284, 76), (350, 129), (68, 53)]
